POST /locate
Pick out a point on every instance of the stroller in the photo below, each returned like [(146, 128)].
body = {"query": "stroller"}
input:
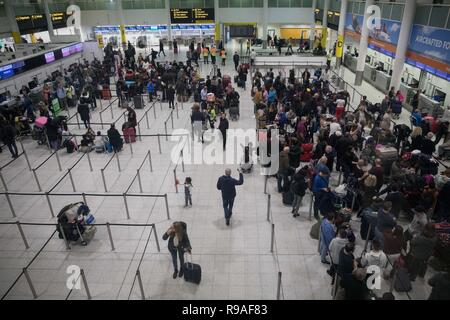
[(234, 110), (38, 132), (75, 223)]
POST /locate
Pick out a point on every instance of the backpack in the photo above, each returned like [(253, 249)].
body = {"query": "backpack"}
[(70, 146)]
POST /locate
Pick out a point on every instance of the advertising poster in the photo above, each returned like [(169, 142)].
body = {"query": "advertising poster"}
[(431, 42)]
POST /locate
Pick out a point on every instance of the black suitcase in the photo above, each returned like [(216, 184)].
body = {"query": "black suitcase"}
[(236, 78), (288, 198), (192, 272), (138, 102)]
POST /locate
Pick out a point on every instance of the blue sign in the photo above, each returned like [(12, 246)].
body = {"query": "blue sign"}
[(388, 31), (431, 42)]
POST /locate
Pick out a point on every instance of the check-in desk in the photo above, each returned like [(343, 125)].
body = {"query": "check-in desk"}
[(350, 62), (430, 106), (408, 92), (369, 73), (383, 80)]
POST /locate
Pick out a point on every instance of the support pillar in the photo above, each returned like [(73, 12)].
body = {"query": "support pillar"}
[(312, 33), (403, 39), (217, 34), (11, 15), (341, 31), (264, 24), (363, 45), (48, 17), (123, 36), (326, 7), (169, 24)]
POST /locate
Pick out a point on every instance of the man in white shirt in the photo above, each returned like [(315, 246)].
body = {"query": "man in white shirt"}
[(376, 256), (252, 57), (335, 248)]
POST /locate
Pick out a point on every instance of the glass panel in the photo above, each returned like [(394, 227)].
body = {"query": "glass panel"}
[(126, 5), (2, 11), (439, 16), (283, 3), (82, 5), (273, 3), (235, 3), (223, 3), (258, 3), (386, 11), (160, 4), (247, 3), (209, 3), (307, 3), (397, 12), (198, 4), (448, 24), (422, 15), (361, 8), (335, 6)]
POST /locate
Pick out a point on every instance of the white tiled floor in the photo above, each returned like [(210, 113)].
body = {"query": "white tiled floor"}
[(236, 260)]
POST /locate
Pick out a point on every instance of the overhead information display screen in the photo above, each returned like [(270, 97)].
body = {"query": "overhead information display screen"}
[(38, 22), (196, 15)]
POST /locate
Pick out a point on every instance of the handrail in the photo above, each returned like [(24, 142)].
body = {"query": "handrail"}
[(109, 105)]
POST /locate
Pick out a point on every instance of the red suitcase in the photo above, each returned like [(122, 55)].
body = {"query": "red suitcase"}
[(129, 135), (106, 93), (226, 79)]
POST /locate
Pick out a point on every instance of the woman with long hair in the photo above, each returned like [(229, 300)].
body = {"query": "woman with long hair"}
[(178, 244)]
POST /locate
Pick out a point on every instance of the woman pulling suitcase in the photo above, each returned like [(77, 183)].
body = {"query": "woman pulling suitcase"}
[(178, 244)]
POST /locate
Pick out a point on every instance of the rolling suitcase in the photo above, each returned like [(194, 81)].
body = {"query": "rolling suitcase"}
[(129, 135), (288, 198), (226, 79), (386, 153), (138, 102), (106, 93), (192, 272)]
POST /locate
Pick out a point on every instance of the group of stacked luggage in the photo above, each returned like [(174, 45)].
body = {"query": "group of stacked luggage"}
[(75, 223)]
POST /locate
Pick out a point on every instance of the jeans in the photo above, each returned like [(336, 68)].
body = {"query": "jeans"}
[(224, 138), (198, 129), (228, 207), (187, 199), (297, 203), (281, 179), (171, 104), (54, 144), (13, 149), (174, 253), (87, 123)]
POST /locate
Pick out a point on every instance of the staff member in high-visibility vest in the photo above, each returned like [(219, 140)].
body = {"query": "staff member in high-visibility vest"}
[(213, 55), (205, 55), (223, 55)]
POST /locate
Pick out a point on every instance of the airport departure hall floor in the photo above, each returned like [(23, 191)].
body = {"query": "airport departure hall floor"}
[(236, 260)]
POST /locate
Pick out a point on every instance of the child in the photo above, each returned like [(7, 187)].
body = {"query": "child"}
[(188, 192)]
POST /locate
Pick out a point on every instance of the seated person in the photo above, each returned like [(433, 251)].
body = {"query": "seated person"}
[(90, 135), (86, 144), (247, 163), (100, 142)]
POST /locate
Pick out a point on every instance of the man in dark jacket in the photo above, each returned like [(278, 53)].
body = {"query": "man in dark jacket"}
[(170, 94), (8, 136), (83, 110), (227, 185), (115, 139), (236, 60), (385, 221), (223, 127)]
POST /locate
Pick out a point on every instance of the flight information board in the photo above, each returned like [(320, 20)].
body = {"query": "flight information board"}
[(38, 22), (196, 15)]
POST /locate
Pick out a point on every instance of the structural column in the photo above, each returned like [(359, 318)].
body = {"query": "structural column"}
[(11, 14), (264, 24), (403, 39), (120, 16), (217, 34), (48, 16), (341, 31), (326, 6), (169, 24), (312, 33), (363, 43)]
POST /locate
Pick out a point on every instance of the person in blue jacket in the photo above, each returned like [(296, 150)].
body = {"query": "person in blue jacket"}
[(327, 234), (227, 185), (319, 189)]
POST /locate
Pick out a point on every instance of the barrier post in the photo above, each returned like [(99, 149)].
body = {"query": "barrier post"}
[(272, 240), (84, 198), (265, 184), (159, 144), (150, 160), (176, 106), (131, 147), (141, 287), (101, 119), (175, 179), (78, 120), (112, 112), (126, 205), (165, 130), (27, 276), (156, 238), (50, 204), (36, 179), (83, 276), (154, 114), (108, 226), (4, 182), (139, 132), (25, 154), (139, 179), (64, 237), (59, 162), (268, 207), (71, 180), (167, 206), (89, 160), (182, 160), (23, 235), (171, 119), (118, 162), (367, 238), (103, 178), (311, 206), (279, 285)]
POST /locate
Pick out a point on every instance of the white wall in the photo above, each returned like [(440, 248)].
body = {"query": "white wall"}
[(291, 15)]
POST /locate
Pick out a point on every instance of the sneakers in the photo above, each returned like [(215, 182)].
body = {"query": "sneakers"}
[(296, 215), (228, 222), (181, 273), (175, 274)]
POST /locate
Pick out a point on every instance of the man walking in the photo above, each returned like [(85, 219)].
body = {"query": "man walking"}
[(236, 61), (223, 127), (161, 48), (227, 185)]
